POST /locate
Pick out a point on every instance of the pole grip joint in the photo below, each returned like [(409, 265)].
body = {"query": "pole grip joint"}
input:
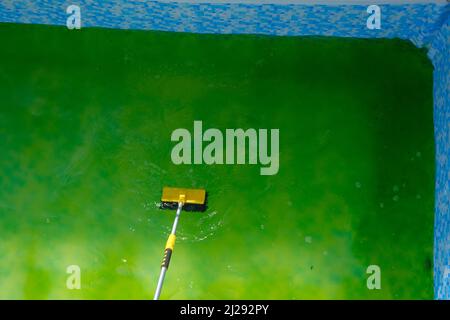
[(170, 244), (166, 260)]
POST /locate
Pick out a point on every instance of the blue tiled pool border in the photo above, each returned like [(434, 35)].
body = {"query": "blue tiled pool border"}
[(426, 25)]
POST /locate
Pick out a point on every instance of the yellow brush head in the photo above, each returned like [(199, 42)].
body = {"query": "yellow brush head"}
[(186, 196)]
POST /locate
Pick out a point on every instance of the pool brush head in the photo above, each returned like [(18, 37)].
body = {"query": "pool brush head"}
[(192, 199)]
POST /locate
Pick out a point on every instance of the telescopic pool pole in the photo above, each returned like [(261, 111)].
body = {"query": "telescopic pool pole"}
[(190, 200), (168, 252)]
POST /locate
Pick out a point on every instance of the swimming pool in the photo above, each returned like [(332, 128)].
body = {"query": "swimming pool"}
[(103, 144)]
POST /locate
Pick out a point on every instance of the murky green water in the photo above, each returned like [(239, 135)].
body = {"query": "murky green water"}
[(85, 124)]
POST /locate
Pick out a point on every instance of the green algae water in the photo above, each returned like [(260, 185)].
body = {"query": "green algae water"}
[(85, 124)]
